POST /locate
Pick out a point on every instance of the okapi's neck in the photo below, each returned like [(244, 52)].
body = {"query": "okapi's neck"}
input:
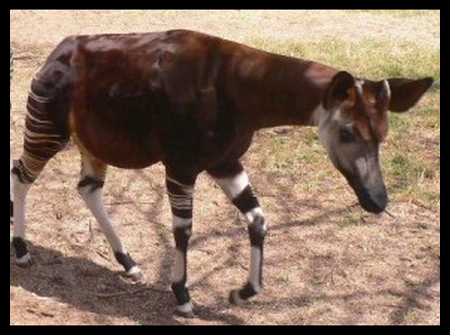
[(274, 90)]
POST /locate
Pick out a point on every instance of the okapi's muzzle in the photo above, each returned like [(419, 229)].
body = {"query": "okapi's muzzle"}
[(373, 199), (366, 180)]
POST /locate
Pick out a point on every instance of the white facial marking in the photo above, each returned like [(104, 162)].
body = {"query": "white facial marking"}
[(317, 115), (359, 86), (322, 119), (362, 166), (387, 89)]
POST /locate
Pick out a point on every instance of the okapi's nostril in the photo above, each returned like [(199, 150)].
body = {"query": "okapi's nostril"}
[(373, 204)]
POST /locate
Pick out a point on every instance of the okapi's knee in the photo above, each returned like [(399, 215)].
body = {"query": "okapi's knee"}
[(89, 185), (182, 236), (257, 230), (19, 173)]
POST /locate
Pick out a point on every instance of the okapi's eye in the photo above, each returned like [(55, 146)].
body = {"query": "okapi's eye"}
[(347, 135)]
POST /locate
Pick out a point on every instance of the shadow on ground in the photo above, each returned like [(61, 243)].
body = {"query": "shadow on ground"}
[(89, 287)]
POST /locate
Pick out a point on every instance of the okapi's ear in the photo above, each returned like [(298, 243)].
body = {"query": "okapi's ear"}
[(338, 90), (405, 93)]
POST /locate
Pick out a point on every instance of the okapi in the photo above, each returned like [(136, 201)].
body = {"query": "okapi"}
[(193, 102)]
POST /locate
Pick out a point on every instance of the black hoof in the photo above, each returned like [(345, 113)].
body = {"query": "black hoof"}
[(240, 297)]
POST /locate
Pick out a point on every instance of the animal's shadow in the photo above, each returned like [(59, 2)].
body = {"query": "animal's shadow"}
[(90, 287)]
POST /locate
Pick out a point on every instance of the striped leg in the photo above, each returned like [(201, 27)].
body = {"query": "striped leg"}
[(43, 140), (21, 185), (181, 201), (24, 172), (234, 181), (90, 187)]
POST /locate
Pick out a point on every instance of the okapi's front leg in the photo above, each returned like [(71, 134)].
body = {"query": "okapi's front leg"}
[(90, 187), (181, 200), (234, 181)]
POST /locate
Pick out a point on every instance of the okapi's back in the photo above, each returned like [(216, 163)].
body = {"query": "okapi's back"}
[(116, 93)]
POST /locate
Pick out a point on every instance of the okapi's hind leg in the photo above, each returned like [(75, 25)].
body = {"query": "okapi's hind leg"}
[(234, 181), (90, 187), (24, 172), (43, 139)]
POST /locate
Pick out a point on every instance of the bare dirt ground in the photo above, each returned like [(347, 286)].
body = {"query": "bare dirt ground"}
[(327, 261)]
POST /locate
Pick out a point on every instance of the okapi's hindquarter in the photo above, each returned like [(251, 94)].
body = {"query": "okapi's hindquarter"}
[(46, 133), (115, 104)]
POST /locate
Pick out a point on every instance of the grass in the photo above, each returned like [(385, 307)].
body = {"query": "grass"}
[(415, 176), (369, 57)]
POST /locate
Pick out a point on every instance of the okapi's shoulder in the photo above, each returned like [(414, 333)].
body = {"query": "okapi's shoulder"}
[(190, 63)]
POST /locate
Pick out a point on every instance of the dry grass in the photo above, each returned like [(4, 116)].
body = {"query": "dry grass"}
[(328, 262)]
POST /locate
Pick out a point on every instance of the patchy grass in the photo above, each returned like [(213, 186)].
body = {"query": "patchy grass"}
[(370, 57), (416, 177)]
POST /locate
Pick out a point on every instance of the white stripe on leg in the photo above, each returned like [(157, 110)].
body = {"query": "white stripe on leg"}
[(179, 269), (20, 191), (255, 269), (233, 186), (94, 201)]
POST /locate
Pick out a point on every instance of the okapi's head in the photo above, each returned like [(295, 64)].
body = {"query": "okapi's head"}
[(353, 124)]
